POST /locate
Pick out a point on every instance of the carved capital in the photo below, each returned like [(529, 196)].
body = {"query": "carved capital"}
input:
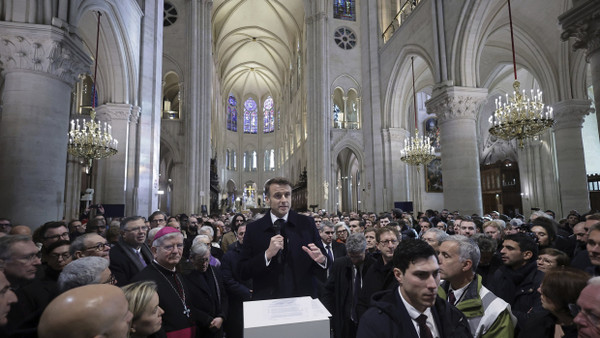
[(114, 112), (582, 22), (571, 113), (451, 103), (134, 117), (45, 49)]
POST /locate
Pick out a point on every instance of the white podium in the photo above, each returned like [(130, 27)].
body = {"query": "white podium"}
[(298, 317)]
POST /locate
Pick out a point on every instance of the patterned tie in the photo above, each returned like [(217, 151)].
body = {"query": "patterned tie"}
[(451, 297), (329, 254), (139, 254), (424, 331)]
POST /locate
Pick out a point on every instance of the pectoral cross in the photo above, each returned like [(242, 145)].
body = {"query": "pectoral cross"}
[(186, 311)]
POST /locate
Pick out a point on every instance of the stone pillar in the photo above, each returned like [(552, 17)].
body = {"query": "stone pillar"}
[(318, 108), (402, 187), (40, 66), (582, 23), (457, 109), (114, 171), (569, 117)]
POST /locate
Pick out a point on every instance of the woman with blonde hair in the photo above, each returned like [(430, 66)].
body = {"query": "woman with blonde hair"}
[(143, 303)]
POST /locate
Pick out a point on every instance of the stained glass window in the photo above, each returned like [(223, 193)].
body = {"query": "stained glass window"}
[(344, 9), (268, 116), (231, 113), (250, 117)]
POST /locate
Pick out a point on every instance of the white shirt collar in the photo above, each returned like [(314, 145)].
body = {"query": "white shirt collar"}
[(274, 218)]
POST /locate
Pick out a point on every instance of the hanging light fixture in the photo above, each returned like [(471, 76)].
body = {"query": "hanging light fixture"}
[(417, 150), (90, 140), (523, 115)]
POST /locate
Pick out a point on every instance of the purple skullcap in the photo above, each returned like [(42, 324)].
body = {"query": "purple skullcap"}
[(165, 231)]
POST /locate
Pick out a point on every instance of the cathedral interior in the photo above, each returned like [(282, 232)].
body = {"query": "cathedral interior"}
[(208, 99)]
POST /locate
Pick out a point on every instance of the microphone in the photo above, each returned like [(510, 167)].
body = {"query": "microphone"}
[(277, 227)]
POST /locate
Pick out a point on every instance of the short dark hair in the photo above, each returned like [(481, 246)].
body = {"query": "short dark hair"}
[(562, 259), (409, 251), (129, 219), (562, 287), (54, 245), (383, 230), (548, 224), (526, 243), (276, 180), (156, 213), (52, 225)]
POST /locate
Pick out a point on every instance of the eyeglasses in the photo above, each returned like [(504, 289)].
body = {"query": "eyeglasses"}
[(342, 231), (389, 241), (202, 260), (31, 257), (111, 280), (160, 220), (138, 229), (64, 256), (179, 246), (329, 232), (4, 225), (64, 235), (98, 247), (239, 221), (575, 310)]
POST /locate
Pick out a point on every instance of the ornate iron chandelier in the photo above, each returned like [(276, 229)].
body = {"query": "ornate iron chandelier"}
[(520, 116), (90, 140), (417, 150)]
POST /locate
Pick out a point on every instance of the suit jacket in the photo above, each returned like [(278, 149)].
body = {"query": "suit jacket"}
[(292, 275), (339, 251), (389, 318), (337, 295), (124, 263)]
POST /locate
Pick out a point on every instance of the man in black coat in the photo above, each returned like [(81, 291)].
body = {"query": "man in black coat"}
[(333, 249), (518, 280), (282, 251), (380, 276), (413, 309), (342, 286), (131, 254)]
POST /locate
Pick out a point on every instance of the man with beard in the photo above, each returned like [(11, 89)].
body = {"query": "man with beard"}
[(380, 276), (518, 280), (413, 309), (173, 292), (130, 255)]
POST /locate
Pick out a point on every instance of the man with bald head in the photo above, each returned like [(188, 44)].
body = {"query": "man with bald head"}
[(87, 311), (20, 230)]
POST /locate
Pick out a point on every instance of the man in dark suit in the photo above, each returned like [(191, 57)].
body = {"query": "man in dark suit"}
[(413, 309), (130, 255), (282, 251), (333, 249), (340, 293)]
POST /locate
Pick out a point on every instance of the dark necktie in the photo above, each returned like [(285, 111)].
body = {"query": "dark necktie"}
[(355, 293), (329, 254), (139, 254), (424, 331), (278, 227), (451, 297)]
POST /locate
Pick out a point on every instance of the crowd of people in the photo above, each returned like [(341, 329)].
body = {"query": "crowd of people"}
[(392, 274)]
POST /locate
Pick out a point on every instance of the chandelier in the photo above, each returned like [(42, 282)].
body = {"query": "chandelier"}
[(523, 115), (90, 140), (417, 150)]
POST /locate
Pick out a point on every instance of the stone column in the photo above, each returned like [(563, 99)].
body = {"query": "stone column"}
[(569, 116), (582, 22), (457, 109), (40, 65), (114, 175), (318, 108), (401, 187)]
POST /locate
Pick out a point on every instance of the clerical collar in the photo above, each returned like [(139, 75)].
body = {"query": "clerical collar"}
[(274, 218), (167, 269)]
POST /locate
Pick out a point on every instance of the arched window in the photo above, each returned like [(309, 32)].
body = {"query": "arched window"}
[(268, 116), (231, 113), (270, 160), (250, 117), (344, 9)]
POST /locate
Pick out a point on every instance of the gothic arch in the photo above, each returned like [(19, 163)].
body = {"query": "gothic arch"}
[(399, 95)]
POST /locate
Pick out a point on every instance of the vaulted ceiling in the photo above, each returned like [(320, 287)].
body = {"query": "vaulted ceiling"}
[(254, 43)]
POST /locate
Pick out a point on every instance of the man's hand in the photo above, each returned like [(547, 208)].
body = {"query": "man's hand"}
[(274, 247), (216, 323), (315, 253)]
